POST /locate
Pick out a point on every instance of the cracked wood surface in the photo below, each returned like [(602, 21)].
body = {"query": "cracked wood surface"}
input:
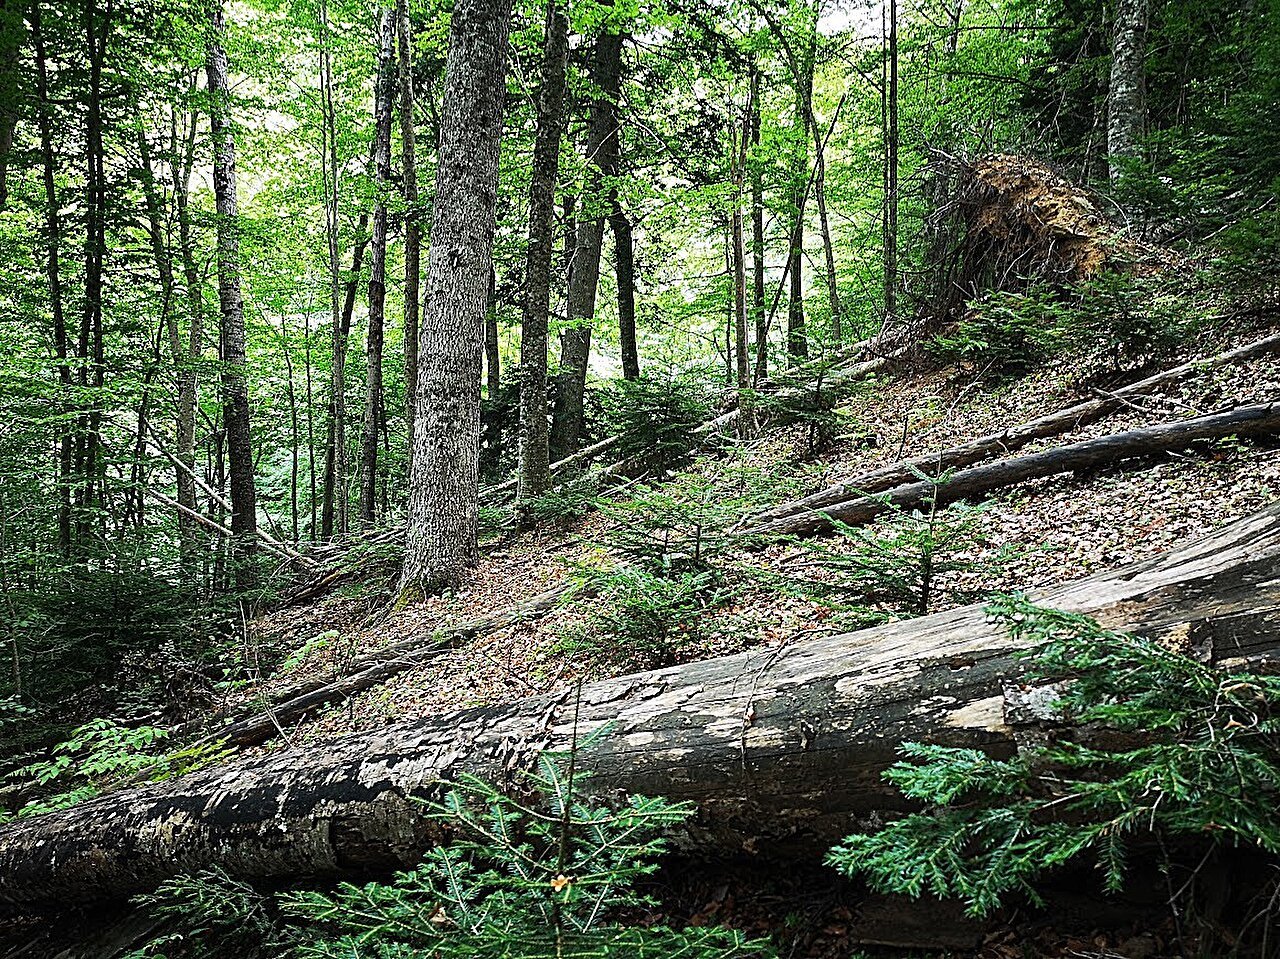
[(781, 750)]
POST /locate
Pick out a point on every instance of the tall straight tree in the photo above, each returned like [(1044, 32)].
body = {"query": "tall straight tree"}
[(758, 309), (802, 62), (889, 116), (384, 97), (235, 390), (440, 540), (584, 277), (533, 475), (412, 227)]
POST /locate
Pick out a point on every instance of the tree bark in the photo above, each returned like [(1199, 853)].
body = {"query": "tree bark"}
[(384, 97), (412, 226), (244, 519), (584, 277), (441, 523), (492, 353), (781, 749), (1008, 440), (757, 235), (746, 413), (890, 116), (534, 470), (625, 273), (1259, 420), (12, 35), (824, 223), (1127, 93), (53, 273)]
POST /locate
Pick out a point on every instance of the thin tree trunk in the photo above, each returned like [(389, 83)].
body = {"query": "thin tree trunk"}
[(492, 355), (575, 347), (311, 431), (533, 474), (98, 25), (412, 224), (244, 519), (828, 246), (625, 272), (440, 541), (53, 232), (781, 748), (746, 413), (384, 97), (889, 111), (1127, 93), (189, 367), (757, 235), (12, 35), (797, 340), (291, 397)]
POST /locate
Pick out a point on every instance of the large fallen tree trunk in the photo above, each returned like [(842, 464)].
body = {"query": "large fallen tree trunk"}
[(780, 748), (1261, 419), (1008, 440)]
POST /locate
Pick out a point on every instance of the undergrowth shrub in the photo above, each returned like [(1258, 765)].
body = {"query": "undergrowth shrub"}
[(656, 416), (647, 619), (893, 569), (100, 754), (678, 527), (816, 408), (562, 506), (1152, 745), (555, 875), (1119, 320)]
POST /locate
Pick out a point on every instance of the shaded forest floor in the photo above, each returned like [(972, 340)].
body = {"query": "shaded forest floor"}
[(1036, 534)]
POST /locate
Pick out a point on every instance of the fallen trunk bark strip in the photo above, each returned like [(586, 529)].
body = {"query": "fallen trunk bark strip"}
[(1009, 440), (781, 750), (977, 481)]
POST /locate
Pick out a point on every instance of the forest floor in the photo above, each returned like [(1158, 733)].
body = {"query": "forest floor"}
[(1034, 535)]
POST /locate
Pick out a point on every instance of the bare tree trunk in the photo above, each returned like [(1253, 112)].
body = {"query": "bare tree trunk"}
[(575, 347), (828, 246), (625, 272), (1127, 93), (797, 341), (188, 370), (311, 432), (781, 748), (294, 435), (12, 30), (98, 26), (534, 475), (758, 309), (412, 225), (492, 355), (440, 541), (889, 111), (53, 230), (244, 518), (746, 413), (384, 97)]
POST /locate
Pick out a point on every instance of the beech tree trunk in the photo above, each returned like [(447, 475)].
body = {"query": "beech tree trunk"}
[(1259, 420), (235, 390), (584, 276), (1008, 440), (534, 470), (384, 96), (1127, 93), (412, 225), (780, 748), (440, 539), (625, 273)]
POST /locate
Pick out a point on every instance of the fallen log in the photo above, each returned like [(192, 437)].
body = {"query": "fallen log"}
[(1008, 440), (781, 749), (1261, 419), (299, 702)]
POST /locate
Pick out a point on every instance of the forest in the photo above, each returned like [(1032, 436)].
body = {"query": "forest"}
[(703, 479)]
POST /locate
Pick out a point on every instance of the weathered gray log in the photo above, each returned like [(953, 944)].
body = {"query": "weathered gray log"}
[(1262, 419), (1008, 440), (299, 702), (781, 749)]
